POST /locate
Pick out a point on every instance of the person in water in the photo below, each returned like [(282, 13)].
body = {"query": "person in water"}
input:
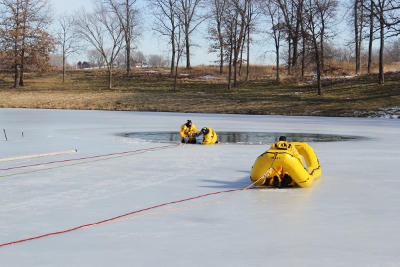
[(188, 132), (278, 176), (209, 136)]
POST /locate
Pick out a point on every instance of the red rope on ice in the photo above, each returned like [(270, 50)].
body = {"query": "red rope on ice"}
[(91, 157), (117, 217)]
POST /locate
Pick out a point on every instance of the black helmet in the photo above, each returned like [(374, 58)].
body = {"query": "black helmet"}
[(282, 138), (205, 130), (188, 123)]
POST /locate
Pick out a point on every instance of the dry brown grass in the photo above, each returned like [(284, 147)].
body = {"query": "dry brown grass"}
[(147, 91)]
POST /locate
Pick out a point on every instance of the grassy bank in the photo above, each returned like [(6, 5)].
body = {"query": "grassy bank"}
[(203, 90)]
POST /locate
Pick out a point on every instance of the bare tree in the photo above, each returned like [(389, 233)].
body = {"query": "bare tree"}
[(215, 30), (67, 40), (371, 37), (179, 52), (156, 61), (239, 30), (166, 23), (103, 31), (387, 14), (379, 9), (357, 33), (392, 51), (251, 17), (95, 58), (318, 15), (358, 19), (129, 20), (24, 39), (120, 60), (273, 13), (188, 12), (234, 29), (292, 12), (138, 57)]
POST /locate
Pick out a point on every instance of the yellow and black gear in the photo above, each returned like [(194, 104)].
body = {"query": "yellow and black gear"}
[(188, 130), (278, 175), (209, 136)]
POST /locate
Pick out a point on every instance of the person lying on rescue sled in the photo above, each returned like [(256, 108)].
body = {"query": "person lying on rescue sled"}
[(187, 132), (278, 176), (209, 136)]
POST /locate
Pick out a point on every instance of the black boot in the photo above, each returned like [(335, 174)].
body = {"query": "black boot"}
[(277, 184), (286, 180)]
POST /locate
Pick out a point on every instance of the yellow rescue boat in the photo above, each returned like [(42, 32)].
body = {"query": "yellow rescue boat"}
[(302, 174)]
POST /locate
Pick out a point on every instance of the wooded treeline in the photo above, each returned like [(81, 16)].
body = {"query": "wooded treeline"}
[(304, 33)]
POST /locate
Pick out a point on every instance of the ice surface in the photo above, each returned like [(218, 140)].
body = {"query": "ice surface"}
[(348, 217)]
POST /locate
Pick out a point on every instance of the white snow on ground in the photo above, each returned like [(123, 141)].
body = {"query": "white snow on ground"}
[(348, 217), (387, 113)]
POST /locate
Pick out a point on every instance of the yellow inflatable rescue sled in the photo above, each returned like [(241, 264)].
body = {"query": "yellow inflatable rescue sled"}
[(302, 174)]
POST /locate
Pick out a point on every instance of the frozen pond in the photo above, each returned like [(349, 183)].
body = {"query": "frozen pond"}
[(129, 194)]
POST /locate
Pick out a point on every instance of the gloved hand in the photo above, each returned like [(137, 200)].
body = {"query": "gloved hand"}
[(196, 135), (198, 142), (185, 139)]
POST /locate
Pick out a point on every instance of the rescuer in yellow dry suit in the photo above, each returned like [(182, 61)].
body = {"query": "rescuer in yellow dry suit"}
[(209, 136), (278, 176), (188, 132)]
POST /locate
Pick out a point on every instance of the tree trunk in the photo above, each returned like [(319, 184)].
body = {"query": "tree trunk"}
[(317, 56), (16, 72), (296, 38), (356, 37), (173, 53), (21, 70), (221, 61), (277, 64), (176, 75), (63, 68), (248, 55), (303, 47), (319, 80), (109, 76), (21, 76), (230, 64), (187, 49), (319, 70), (128, 60), (381, 48), (128, 35), (371, 37), (289, 57)]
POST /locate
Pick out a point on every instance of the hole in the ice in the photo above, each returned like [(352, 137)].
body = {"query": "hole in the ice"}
[(242, 138)]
